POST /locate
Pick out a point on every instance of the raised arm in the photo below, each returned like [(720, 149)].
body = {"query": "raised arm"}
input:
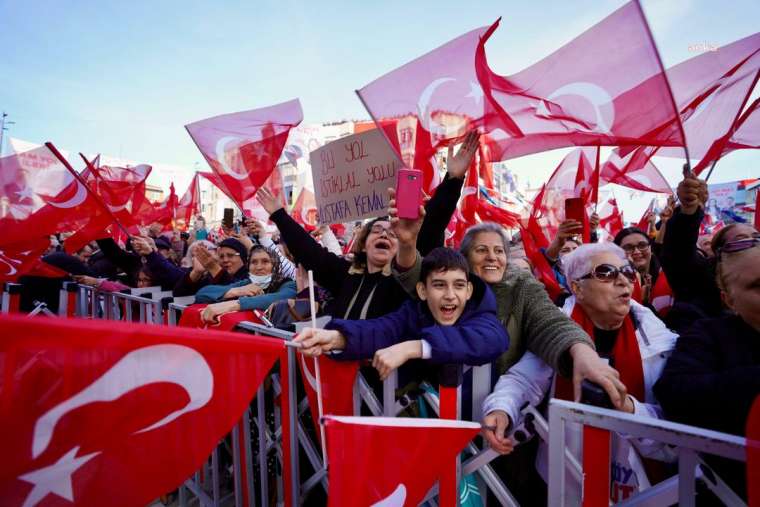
[(329, 269), (441, 206)]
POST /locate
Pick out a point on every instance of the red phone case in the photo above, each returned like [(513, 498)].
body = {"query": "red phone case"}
[(409, 193), (574, 209)]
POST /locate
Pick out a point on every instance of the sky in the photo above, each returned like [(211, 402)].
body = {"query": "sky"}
[(123, 78)]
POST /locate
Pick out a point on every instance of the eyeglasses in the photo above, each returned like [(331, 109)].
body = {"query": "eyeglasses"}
[(738, 245), (641, 246), (379, 229), (609, 273), (223, 256)]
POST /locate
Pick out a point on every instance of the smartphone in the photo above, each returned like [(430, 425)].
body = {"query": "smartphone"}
[(228, 219), (575, 209), (409, 193), (593, 394)]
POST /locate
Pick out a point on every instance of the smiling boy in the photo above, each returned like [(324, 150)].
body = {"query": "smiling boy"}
[(455, 322)]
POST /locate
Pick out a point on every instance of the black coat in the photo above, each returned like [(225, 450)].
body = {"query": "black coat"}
[(711, 380), (690, 274), (337, 275)]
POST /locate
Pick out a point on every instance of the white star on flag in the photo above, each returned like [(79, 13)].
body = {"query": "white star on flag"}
[(476, 93), (55, 478)]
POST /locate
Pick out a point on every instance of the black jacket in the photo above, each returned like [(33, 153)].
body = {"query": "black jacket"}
[(336, 274), (711, 380), (438, 212), (690, 274)]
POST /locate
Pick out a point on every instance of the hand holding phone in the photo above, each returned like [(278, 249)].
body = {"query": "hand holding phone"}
[(409, 193)]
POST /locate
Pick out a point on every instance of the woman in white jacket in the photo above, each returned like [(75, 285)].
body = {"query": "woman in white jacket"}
[(634, 340)]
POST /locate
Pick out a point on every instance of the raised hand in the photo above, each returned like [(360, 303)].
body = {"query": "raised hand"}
[(692, 192), (406, 231), (457, 165), (268, 201)]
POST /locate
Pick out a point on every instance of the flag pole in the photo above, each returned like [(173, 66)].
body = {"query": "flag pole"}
[(687, 166), (320, 410), (79, 179)]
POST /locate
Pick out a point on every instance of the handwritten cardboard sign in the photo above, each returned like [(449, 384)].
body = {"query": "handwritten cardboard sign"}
[(351, 177)]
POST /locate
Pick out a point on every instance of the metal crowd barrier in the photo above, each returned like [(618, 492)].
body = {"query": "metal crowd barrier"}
[(689, 440), (11, 298)]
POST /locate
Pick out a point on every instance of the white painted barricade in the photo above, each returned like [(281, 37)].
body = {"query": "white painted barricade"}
[(690, 441)]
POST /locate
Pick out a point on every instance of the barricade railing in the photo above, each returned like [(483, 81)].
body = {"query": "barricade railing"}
[(689, 441), (11, 299), (67, 299)]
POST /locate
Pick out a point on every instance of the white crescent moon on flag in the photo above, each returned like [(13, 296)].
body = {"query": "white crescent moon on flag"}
[(8, 262), (77, 199), (594, 94), (222, 159), (395, 499), (423, 109), (174, 364)]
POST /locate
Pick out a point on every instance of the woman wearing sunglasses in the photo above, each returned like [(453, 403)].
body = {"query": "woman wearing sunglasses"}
[(713, 376), (654, 290), (629, 335)]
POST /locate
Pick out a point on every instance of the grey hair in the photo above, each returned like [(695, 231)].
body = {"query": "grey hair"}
[(578, 262), (469, 236)]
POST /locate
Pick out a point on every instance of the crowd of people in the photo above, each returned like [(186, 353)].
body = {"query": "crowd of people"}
[(665, 321)]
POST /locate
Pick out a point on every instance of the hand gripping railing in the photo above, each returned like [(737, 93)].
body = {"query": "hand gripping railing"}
[(689, 440)]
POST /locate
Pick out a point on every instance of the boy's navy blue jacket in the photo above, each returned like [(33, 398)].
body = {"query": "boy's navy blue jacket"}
[(476, 338)]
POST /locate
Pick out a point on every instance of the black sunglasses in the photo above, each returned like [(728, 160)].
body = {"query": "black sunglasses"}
[(609, 273)]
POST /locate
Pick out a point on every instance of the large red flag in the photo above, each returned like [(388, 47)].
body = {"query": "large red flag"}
[(634, 170), (91, 408), (606, 87), (390, 461), (188, 205), (711, 90), (338, 378), (575, 176), (745, 134), (243, 148), (40, 196), (610, 217), (305, 208)]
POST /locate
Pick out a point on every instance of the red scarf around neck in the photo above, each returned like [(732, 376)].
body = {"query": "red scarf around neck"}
[(626, 353)]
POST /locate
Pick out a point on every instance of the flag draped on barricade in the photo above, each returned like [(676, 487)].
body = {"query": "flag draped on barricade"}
[(191, 317), (386, 461), (338, 378), (96, 413)]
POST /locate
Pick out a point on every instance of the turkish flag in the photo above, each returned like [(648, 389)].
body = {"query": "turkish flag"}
[(643, 222), (635, 170), (188, 205), (305, 208), (121, 189), (243, 148), (745, 134), (24, 258), (606, 87), (390, 461), (430, 103), (41, 197), (338, 378), (98, 413), (710, 90), (575, 176), (610, 217), (191, 317), (542, 269)]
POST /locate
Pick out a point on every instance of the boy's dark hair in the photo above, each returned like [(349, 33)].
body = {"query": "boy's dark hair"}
[(443, 259)]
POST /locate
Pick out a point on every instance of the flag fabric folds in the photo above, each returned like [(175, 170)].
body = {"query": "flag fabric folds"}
[(96, 407), (338, 378), (390, 461), (243, 148)]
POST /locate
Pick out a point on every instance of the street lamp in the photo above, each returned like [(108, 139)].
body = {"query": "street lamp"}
[(3, 128)]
